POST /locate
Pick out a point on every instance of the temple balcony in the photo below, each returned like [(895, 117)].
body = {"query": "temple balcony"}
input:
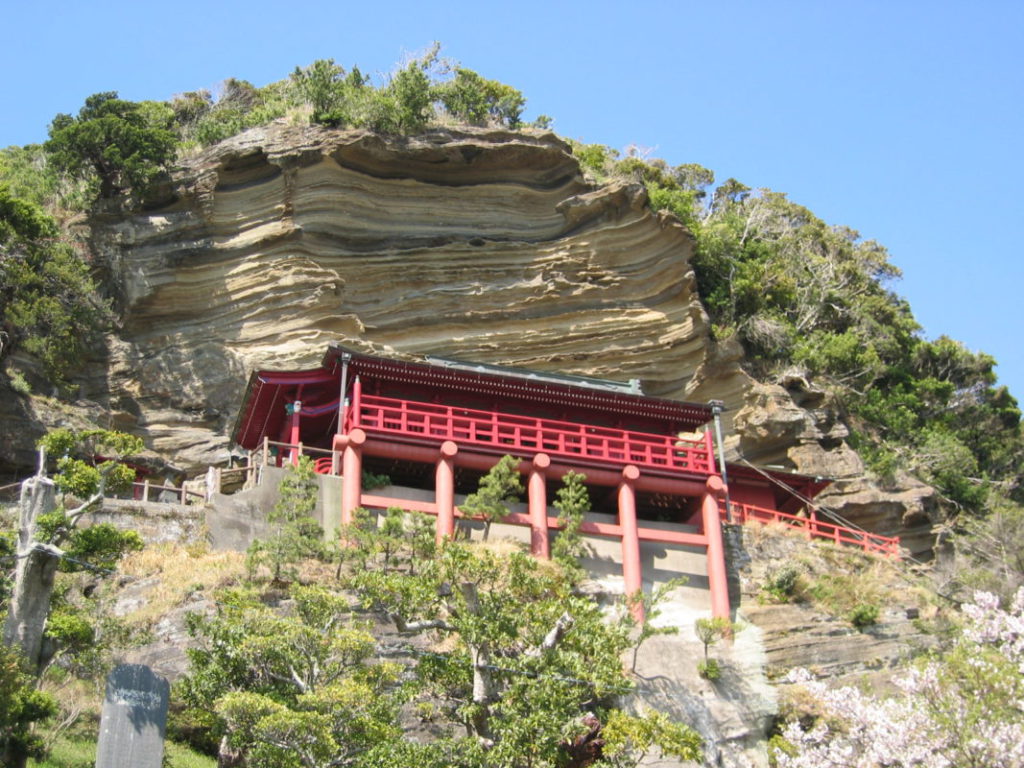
[(502, 433)]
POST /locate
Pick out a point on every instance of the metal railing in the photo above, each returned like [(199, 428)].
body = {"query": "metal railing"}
[(505, 432), (138, 491), (816, 529)]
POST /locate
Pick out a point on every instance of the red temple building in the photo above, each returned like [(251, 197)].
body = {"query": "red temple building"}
[(441, 424)]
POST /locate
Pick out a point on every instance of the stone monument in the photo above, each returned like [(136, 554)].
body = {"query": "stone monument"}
[(134, 719)]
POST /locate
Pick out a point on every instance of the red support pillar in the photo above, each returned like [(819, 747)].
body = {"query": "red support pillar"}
[(444, 492), (294, 435), (632, 573), (718, 579), (351, 471), (538, 505)]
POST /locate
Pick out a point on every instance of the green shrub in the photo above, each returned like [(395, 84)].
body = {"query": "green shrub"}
[(371, 482), (863, 615), (709, 669), (782, 584), (49, 304), (122, 145), (778, 745), (19, 384), (477, 101)]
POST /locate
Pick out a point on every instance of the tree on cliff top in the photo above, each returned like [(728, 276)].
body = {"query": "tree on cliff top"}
[(123, 145), (49, 305)]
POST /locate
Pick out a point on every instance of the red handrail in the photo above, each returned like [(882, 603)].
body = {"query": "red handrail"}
[(514, 433), (816, 529)]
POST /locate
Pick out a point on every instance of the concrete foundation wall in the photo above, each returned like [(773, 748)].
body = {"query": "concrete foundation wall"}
[(156, 523)]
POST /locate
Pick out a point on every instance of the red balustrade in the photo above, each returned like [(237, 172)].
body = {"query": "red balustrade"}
[(816, 529), (511, 433)]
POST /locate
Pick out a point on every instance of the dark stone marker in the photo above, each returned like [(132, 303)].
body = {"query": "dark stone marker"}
[(134, 719)]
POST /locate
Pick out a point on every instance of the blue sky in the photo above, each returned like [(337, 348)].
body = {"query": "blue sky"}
[(902, 120)]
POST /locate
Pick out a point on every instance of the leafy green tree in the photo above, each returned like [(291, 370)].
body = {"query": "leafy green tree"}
[(629, 738), (392, 533), (476, 100), (710, 631), (26, 174), (572, 502), (405, 105), (23, 222), (501, 486), (596, 159), (121, 144), (189, 107), (650, 609), (295, 533), (402, 540), (290, 689), (528, 660), (49, 305), (321, 85)]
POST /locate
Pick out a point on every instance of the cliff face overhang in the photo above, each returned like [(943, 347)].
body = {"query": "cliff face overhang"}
[(482, 245)]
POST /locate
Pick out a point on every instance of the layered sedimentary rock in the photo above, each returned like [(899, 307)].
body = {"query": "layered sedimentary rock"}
[(486, 246)]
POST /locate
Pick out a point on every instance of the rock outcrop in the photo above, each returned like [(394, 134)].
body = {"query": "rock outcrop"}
[(482, 245), (791, 425)]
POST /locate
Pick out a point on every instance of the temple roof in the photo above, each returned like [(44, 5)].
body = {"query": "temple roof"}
[(524, 384)]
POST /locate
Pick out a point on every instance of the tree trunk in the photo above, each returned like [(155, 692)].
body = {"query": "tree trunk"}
[(228, 757), (484, 690), (34, 574)]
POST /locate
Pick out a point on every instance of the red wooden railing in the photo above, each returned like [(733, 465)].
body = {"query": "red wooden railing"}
[(527, 434), (816, 529), (326, 465)]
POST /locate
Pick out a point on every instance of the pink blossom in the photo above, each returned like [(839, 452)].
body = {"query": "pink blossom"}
[(963, 708)]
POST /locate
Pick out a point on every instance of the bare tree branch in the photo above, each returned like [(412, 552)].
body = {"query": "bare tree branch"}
[(554, 637), (417, 626)]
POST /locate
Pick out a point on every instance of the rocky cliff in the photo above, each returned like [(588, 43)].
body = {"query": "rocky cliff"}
[(483, 245), (487, 246)]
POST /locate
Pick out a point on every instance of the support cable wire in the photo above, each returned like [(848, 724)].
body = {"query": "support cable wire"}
[(40, 547)]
